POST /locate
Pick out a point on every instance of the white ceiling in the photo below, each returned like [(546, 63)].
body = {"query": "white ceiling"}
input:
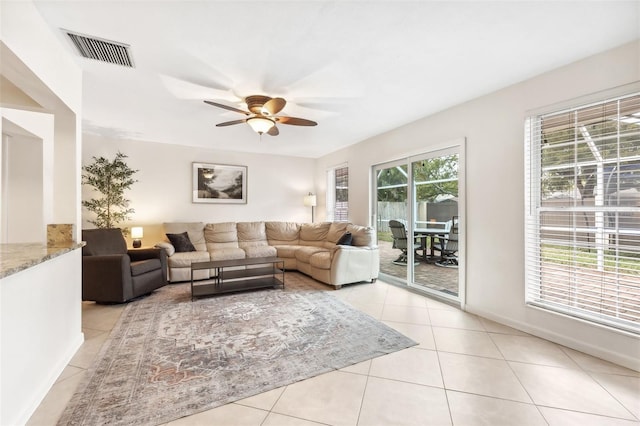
[(358, 68)]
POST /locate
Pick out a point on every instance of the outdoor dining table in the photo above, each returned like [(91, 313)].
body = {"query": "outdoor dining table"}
[(434, 232)]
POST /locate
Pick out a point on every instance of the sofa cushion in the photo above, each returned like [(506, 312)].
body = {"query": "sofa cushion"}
[(143, 266), (336, 231), (184, 260), (251, 234), (260, 251), (221, 235), (303, 254), (228, 253), (282, 233), (321, 260), (362, 235), (181, 242), (314, 234), (287, 251), (194, 229)]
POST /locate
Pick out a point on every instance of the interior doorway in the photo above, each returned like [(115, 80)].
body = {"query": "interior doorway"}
[(419, 219)]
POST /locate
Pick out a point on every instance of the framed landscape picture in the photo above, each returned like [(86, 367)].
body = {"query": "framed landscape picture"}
[(219, 183)]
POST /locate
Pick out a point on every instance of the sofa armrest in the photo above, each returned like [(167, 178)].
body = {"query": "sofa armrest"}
[(144, 254), (167, 247), (151, 253), (351, 263)]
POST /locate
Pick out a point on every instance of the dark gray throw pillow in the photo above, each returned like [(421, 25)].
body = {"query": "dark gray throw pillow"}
[(181, 242), (345, 240)]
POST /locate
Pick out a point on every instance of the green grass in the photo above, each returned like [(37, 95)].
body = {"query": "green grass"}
[(629, 263), (385, 236)]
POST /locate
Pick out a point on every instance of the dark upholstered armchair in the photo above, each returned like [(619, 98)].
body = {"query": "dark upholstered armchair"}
[(113, 274)]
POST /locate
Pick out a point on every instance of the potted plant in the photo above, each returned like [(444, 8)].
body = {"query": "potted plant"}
[(110, 178)]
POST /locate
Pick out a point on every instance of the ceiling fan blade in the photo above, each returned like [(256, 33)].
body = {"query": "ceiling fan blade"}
[(231, 123), (296, 121), (273, 131), (230, 108), (273, 106)]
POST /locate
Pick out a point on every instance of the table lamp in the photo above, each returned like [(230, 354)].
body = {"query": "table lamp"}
[(136, 236)]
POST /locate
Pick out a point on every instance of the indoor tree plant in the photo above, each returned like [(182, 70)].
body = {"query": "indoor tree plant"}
[(110, 178)]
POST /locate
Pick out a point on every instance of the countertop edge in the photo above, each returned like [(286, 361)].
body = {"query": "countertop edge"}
[(18, 257)]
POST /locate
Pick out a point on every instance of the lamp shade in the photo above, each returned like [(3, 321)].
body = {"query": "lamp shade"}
[(136, 232), (310, 200), (260, 124)]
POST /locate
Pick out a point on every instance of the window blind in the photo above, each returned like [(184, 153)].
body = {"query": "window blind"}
[(338, 194), (582, 194)]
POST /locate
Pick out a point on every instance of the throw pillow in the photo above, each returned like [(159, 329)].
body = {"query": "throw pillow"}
[(181, 242), (345, 240)]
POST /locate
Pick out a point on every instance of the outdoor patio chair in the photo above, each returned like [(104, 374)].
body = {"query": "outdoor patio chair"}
[(400, 241), (449, 249)]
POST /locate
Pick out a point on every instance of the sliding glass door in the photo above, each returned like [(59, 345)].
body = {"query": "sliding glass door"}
[(436, 222), (392, 206), (419, 207)]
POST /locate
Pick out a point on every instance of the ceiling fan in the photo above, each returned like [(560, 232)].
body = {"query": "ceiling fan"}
[(262, 114)]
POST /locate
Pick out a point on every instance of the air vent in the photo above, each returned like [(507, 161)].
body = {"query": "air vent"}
[(101, 50)]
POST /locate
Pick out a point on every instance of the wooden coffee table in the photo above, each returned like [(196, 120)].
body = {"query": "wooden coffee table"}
[(264, 272)]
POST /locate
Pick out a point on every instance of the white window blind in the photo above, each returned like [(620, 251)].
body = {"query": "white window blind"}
[(338, 194), (582, 193)]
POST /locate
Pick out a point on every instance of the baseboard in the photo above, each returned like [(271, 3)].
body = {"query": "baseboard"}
[(606, 354)]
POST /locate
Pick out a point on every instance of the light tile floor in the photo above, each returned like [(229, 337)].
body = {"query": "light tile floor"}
[(466, 370)]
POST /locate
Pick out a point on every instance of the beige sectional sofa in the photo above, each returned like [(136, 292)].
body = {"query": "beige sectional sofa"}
[(306, 247)]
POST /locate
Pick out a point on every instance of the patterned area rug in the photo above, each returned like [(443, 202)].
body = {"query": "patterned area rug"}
[(169, 357)]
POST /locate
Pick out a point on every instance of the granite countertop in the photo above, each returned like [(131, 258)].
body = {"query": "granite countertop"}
[(20, 256)]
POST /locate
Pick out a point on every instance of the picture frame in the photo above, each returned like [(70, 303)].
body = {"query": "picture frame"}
[(219, 183)]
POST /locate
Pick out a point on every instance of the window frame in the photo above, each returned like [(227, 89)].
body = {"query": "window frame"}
[(336, 213), (539, 290)]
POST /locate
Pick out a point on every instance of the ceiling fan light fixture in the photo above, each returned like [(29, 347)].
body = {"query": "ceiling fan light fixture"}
[(260, 125), (262, 115)]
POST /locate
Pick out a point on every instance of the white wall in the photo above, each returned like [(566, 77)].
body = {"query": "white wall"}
[(276, 184), (38, 335), (493, 127), (24, 197)]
